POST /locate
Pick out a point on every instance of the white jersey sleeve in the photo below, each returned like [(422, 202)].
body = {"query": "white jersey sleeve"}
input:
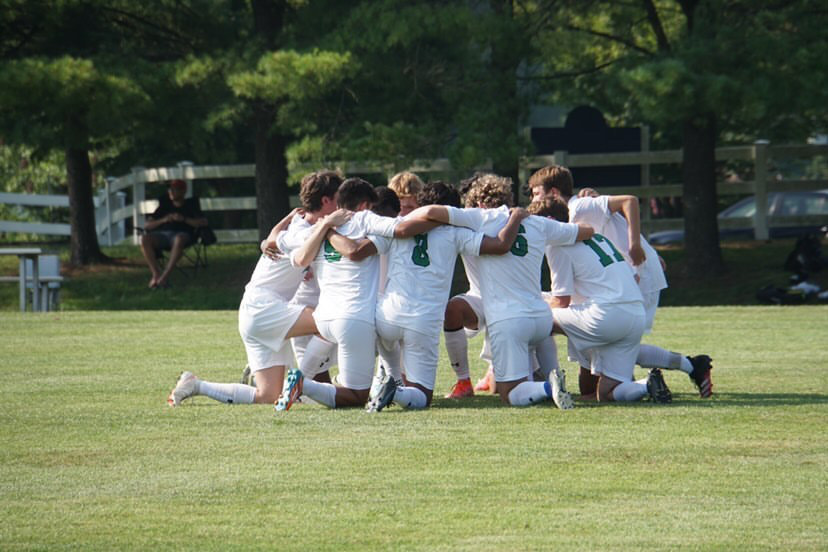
[(559, 233), (469, 218), (594, 211), (372, 223)]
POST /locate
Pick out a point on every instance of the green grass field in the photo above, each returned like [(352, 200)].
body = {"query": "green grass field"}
[(93, 459)]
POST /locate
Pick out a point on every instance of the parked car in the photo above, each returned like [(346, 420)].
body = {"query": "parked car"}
[(780, 204)]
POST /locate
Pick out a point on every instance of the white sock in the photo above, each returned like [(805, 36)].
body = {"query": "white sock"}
[(299, 345), (323, 393), (229, 393), (410, 397), (316, 357), (457, 347), (629, 391), (528, 392), (651, 356)]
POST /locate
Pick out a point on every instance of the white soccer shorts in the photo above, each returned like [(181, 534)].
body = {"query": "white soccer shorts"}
[(356, 341), (607, 337), (510, 341), (419, 351), (264, 322)]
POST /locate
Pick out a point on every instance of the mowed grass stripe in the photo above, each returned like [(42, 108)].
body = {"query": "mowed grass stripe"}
[(94, 459)]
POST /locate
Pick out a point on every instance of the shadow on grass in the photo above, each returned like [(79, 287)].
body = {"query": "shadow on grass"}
[(763, 400)]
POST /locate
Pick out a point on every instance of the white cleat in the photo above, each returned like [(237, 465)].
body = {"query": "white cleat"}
[(376, 383), (560, 396), (184, 389)]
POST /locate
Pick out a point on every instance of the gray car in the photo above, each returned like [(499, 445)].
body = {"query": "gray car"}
[(780, 204)]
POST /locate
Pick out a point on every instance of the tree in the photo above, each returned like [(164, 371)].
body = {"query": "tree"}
[(709, 68), (66, 103)]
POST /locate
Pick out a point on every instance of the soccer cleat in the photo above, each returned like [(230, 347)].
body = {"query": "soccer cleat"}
[(247, 376), (292, 392), (560, 396), (376, 383), (702, 365), (461, 389), (486, 383), (184, 389), (657, 388), (384, 396)]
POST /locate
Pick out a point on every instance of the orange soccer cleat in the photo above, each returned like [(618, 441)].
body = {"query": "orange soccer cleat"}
[(461, 389)]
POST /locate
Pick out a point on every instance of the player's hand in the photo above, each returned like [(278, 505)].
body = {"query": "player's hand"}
[(296, 211), (637, 254), (588, 192), (308, 274), (337, 218), (519, 212), (270, 250)]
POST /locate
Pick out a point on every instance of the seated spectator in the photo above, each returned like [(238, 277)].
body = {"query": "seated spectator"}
[(171, 227)]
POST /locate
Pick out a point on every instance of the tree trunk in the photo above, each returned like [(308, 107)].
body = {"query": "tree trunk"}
[(272, 200), (506, 56), (84, 238), (701, 229)]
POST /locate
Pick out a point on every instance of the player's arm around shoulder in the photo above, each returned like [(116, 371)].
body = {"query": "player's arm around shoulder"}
[(627, 205), (354, 250), (504, 240), (305, 254)]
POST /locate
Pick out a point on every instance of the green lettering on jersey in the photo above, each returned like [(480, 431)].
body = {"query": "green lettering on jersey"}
[(420, 254), (331, 254), (521, 247), (603, 254)]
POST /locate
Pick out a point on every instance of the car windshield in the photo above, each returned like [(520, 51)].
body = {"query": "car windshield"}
[(746, 209)]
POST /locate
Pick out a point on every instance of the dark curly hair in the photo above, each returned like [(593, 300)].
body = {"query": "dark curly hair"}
[(438, 193)]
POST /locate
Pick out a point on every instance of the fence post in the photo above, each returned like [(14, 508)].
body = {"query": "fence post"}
[(184, 166), (523, 178), (561, 158), (138, 196), (760, 170), (647, 211), (107, 187)]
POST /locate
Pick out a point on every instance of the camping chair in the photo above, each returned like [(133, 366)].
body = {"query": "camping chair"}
[(194, 255), (50, 280)]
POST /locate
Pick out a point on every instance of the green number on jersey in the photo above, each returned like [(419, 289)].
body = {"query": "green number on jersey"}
[(420, 254), (521, 247), (331, 254), (603, 255)]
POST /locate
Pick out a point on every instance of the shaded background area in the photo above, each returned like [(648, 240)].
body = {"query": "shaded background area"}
[(123, 285)]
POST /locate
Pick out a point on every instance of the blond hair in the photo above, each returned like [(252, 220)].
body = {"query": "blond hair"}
[(406, 184), (489, 190)]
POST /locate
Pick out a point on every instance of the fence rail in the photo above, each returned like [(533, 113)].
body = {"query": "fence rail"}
[(112, 209)]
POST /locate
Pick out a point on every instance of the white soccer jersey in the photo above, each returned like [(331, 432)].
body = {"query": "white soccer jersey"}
[(420, 271), (595, 211), (592, 271), (348, 289), (307, 293), (478, 217), (277, 277), (510, 283)]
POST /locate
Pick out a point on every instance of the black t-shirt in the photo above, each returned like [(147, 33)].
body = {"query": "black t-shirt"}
[(190, 209)]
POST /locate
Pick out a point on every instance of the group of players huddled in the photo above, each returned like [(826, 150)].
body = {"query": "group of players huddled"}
[(360, 277)]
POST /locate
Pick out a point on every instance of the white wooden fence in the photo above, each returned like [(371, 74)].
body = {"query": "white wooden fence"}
[(112, 209)]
